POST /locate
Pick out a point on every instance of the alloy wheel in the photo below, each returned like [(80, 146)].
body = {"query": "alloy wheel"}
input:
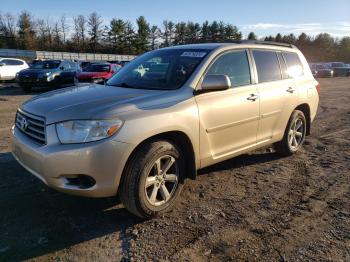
[(296, 133), (162, 180)]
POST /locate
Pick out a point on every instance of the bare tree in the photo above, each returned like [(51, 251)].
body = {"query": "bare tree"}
[(57, 36), (64, 27), (80, 32), (8, 29)]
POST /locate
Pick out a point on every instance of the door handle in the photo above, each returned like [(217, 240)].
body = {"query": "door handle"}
[(290, 89), (252, 97)]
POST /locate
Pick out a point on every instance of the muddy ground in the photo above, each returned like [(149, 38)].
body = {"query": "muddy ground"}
[(257, 207)]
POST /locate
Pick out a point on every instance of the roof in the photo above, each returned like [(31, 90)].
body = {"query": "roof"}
[(211, 46)]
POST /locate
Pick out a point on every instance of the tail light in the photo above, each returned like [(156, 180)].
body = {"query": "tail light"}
[(318, 88)]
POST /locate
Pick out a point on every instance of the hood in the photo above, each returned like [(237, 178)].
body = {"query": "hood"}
[(31, 71), (92, 74), (95, 102)]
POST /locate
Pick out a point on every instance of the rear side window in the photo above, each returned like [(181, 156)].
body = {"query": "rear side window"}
[(235, 65), (267, 65), (12, 62), (295, 67)]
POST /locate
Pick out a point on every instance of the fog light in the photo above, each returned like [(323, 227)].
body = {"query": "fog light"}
[(80, 181)]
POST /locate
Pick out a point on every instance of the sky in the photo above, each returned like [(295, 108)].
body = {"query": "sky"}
[(264, 17)]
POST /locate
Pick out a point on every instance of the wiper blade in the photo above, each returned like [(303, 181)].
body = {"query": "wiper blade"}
[(122, 85)]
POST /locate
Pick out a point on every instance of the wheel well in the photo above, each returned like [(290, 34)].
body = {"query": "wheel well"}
[(306, 110), (181, 140)]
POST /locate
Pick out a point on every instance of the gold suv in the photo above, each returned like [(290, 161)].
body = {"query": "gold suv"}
[(165, 115)]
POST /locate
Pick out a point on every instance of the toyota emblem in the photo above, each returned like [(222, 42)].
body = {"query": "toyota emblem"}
[(24, 123)]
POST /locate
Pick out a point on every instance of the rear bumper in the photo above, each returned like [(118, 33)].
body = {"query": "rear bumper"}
[(53, 163)]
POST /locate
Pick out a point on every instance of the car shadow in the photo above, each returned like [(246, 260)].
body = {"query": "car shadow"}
[(36, 220), (258, 157)]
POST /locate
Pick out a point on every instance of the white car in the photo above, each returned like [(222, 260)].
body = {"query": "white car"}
[(9, 67)]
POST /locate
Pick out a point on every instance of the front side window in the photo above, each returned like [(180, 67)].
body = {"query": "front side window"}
[(163, 69), (235, 65), (295, 68), (267, 65)]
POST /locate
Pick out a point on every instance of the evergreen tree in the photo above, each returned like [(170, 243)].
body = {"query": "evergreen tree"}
[(180, 35), (154, 36), (143, 35), (168, 33), (26, 31), (116, 35), (193, 32), (252, 36), (205, 32), (278, 38), (94, 30)]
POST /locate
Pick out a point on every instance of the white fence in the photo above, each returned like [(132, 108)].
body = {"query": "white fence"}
[(62, 55)]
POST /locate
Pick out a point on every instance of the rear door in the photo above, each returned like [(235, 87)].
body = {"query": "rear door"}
[(277, 94)]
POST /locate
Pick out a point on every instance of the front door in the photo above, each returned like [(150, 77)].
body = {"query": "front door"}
[(228, 119)]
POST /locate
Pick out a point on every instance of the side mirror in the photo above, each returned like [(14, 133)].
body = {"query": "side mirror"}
[(215, 83)]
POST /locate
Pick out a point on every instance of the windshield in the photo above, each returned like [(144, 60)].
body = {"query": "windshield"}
[(162, 69), (320, 67), (46, 65), (97, 68)]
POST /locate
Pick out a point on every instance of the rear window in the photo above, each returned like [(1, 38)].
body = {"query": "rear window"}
[(267, 65), (295, 67)]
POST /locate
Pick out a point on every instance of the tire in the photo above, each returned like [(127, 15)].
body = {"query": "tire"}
[(137, 195), (289, 145)]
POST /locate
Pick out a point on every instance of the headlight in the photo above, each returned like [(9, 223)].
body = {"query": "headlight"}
[(82, 131)]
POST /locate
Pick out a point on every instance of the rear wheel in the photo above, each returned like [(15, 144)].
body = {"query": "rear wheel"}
[(153, 179), (294, 134)]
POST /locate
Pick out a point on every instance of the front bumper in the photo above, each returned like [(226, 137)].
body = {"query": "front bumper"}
[(52, 163)]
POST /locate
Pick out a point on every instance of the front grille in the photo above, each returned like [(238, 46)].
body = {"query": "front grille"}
[(32, 126)]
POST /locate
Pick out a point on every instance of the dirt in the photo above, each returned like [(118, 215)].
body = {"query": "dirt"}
[(256, 207)]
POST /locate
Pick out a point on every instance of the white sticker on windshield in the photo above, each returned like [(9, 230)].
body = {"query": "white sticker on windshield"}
[(194, 54)]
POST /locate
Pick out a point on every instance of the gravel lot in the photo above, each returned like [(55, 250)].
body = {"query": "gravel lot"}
[(256, 207)]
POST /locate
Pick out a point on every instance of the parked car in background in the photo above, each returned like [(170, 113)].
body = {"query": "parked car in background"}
[(9, 67), (339, 68), (165, 115), (97, 72), (320, 70), (69, 77), (46, 73), (83, 64)]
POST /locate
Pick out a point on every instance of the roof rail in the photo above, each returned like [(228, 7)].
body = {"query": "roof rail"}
[(261, 43)]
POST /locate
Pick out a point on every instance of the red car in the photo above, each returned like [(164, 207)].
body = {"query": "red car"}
[(97, 72)]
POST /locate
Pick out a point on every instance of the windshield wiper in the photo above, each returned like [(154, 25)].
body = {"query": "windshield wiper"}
[(122, 85)]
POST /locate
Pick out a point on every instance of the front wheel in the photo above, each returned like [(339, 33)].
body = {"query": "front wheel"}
[(153, 178), (294, 134)]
